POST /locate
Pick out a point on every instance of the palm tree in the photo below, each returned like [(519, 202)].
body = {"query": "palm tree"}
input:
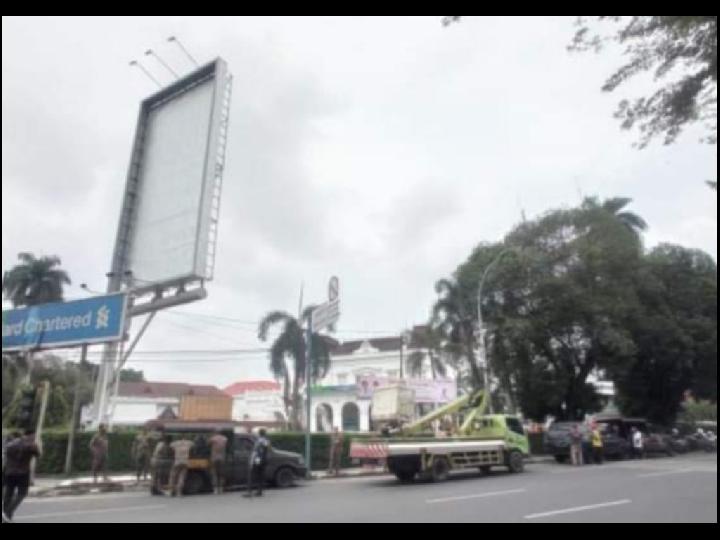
[(430, 343), (290, 345), (632, 221), (35, 281), (451, 320)]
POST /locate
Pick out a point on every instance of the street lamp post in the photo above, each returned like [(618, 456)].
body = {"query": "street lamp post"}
[(482, 348)]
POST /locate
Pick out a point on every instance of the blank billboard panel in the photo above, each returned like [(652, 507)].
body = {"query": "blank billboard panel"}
[(168, 224)]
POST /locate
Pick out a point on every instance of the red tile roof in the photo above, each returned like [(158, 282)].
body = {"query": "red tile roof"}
[(161, 389), (251, 386)]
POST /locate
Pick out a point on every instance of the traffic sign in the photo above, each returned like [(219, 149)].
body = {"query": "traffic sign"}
[(333, 288), (325, 314)]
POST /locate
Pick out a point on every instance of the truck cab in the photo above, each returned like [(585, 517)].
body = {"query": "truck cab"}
[(501, 426)]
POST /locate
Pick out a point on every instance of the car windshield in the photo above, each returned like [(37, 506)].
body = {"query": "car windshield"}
[(565, 427)]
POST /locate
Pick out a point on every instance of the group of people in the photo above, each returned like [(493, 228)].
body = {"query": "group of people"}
[(597, 455), (168, 461)]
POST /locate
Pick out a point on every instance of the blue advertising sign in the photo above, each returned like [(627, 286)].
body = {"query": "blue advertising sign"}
[(65, 324)]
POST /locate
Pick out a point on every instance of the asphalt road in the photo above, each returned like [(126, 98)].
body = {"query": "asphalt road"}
[(680, 489)]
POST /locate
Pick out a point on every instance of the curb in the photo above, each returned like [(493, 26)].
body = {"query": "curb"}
[(85, 488)]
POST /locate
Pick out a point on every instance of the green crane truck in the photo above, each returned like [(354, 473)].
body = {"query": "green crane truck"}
[(481, 442)]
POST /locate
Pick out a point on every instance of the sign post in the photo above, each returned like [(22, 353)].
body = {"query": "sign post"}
[(320, 318)]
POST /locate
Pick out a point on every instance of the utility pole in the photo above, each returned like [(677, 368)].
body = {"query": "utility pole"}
[(308, 398)]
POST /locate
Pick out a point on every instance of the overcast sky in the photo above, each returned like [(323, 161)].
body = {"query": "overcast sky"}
[(377, 149)]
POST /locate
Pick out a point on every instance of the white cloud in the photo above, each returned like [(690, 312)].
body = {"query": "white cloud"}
[(378, 149)]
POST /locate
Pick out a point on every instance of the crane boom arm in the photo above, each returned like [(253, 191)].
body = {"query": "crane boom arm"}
[(478, 400)]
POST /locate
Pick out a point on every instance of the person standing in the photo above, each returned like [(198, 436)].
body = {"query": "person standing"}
[(258, 462), (20, 453), (181, 451), (637, 443), (141, 453), (597, 445), (162, 460), (576, 442), (99, 451), (336, 448), (218, 453)]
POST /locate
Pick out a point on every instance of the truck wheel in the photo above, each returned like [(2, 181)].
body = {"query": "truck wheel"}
[(440, 469), (405, 476), (285, 477), (515, 462)]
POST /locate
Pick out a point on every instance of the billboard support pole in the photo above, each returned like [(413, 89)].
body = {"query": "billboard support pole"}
[(75, 412)]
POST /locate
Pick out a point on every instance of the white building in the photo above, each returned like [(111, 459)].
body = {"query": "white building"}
[(257, 401), (343, 397), (139, 402)]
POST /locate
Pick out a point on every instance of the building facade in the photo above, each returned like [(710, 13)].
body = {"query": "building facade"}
[(140, 402), (343, 398), (257, 401)]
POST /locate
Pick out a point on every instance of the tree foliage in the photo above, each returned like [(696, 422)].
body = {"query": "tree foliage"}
[(681, 53), (35, 280), (289, 345), (577, 296)]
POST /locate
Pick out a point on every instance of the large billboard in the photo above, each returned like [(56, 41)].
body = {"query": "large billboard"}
[(168, 223), (100, 319)]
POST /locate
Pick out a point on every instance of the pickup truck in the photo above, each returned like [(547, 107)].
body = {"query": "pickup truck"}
[(283, 468)]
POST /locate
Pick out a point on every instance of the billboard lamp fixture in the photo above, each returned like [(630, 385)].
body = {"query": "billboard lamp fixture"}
[(150, 52), (174, 39), (145, 71)]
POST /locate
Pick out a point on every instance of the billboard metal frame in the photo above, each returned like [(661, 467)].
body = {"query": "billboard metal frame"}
[(150, 297), (214, 163)]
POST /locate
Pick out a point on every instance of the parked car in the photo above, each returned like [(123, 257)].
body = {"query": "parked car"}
[(615, 446), (283, 468), (657, 443), (678, 443), (557, 440)]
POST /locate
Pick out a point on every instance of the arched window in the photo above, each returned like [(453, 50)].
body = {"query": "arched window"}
[(350, 417)]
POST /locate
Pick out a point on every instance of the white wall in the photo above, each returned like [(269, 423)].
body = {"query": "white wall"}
[(137, 411), (260, 405)]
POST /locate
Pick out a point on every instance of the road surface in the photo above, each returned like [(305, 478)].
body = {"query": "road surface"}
[(680, 489)]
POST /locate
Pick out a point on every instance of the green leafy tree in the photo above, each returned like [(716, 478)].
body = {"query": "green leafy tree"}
[(675, 332), (430, 352), (288, 357), (553, 310), (681, 53), (35, 281)]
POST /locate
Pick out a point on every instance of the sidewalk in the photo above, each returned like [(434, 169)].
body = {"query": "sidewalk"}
[(57, 486), (54, 486)]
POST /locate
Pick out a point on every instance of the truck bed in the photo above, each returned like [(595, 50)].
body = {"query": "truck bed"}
[(383, 448)]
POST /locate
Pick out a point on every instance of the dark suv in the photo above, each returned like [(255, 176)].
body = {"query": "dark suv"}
[(283, 468), (557, 440)]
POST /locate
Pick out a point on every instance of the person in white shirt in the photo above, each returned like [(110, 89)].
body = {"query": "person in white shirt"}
[(637, 443)]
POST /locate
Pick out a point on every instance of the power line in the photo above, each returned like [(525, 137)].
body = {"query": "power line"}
[(255, 324)]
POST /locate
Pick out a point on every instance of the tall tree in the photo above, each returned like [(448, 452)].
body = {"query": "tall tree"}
[(552, 311), (681, 53), (452, 318), (35, 280), (429, 344), (675, 332), (289, 345), (615, 206)]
